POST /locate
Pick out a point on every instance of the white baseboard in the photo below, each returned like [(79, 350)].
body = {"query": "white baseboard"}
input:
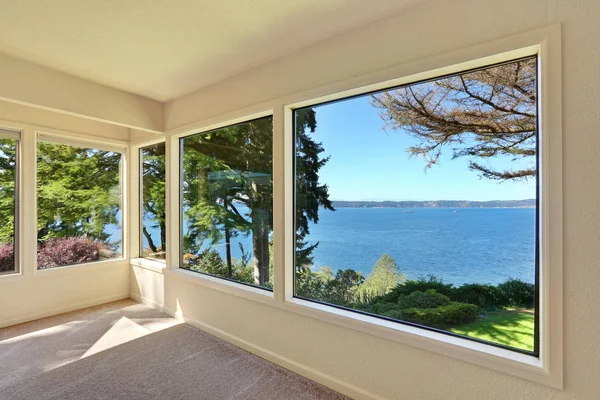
[(301, 369), (61, 310)]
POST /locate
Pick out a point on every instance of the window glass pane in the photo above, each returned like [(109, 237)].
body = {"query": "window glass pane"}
[(154, 233), (79, 205), (419, 204), (8, 164), (227, 205)]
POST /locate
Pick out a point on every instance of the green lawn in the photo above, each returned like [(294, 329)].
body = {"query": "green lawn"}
[(508, 327)]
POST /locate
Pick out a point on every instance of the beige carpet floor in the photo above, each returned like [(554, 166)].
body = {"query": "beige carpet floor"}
[(124, 350)]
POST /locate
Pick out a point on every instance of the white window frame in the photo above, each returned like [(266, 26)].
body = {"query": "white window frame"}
[(174, 212), (15, 134), (546, 44), (137, 208), (86, 141)]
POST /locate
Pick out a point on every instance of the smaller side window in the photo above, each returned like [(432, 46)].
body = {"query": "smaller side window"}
[(9, 148), (153, 231)]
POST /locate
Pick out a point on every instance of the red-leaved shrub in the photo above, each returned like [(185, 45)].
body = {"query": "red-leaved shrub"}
[(7, 257), (67, 251)]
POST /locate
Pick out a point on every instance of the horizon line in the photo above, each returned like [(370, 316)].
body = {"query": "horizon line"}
[(473, 201)]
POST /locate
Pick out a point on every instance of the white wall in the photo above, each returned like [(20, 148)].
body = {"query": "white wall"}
[(37, 294), (21, 114), (29, 84), (374, 367), (50, 292)]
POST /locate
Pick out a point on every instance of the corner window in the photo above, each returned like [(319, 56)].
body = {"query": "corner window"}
[(153, 228), (79, 198), (227, 202), (9, 143), (419, 204)]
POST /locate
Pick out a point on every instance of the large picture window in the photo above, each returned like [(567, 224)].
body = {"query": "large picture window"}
[(153, 227), (227, 202), (419, 204), (8, 205), (79, 198)]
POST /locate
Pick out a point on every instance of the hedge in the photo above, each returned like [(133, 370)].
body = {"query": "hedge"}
[(441, 317)]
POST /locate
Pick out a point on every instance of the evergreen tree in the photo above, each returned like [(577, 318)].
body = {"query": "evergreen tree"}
[(310, 193), (480, 115), (8, 155), (228, 188), (384, 277), (78, 192)]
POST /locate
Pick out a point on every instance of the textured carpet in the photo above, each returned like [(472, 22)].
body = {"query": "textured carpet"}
[(124, 350)]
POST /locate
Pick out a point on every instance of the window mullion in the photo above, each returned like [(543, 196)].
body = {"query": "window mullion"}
[(172, 220), (279, 222), (27, 198)]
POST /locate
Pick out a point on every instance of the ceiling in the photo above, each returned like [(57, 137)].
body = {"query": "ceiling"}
[(163, 49)]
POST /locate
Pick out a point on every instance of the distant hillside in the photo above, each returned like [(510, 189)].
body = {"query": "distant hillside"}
[(528, 203)]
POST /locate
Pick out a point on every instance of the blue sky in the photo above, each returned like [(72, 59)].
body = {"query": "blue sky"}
[(369, 163)]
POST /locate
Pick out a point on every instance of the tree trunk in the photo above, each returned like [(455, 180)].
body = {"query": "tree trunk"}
[(150, 241), (163, 236), (260, 249)]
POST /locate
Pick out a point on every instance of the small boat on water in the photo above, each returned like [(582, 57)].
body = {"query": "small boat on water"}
[(409, 211)]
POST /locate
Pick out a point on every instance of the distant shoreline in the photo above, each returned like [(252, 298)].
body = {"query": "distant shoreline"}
[(527, 203)]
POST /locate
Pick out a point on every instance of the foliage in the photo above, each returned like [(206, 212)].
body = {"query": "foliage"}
[(209, 261), (484, 296), (479, 115), (518, 293), (67, 250), (431, 282), (348, 287), (153, 198), (7, 257), (8, 155), (79, 191), (427, 299), (343, 289), (451, 314), (309, 284), (228, 188), (384, 276), (310, 193)]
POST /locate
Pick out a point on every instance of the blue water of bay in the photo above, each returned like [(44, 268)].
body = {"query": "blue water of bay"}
[(482, 245), (460, 246)]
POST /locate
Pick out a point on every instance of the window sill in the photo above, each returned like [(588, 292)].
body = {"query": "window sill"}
[(489, 356), (6, 277), (91, 265), (149, 264), (222, 285)]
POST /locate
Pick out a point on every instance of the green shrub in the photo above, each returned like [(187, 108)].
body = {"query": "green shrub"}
[(518, 293), (423, 284), (395, 313), (378, 308), (427, 299), (484, 296), (441, 317)]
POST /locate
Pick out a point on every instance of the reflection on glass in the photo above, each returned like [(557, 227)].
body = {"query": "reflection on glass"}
[(227, 201), (154, 233), (79, 205), (8, 162), (418, 204)]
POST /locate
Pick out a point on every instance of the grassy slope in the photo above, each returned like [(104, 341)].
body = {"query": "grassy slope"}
[(509, 327)]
